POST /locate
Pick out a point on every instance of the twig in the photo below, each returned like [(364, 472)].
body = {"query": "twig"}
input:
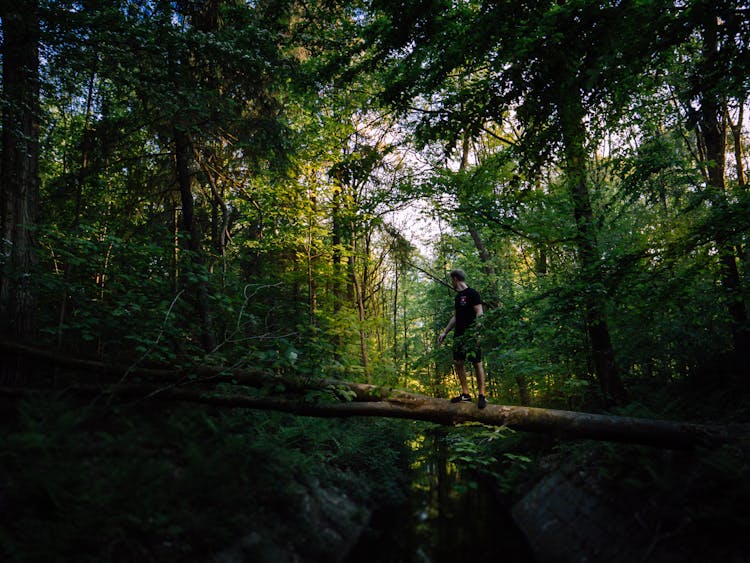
[(158, 338)]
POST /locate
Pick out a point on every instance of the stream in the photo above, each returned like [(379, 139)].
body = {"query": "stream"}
[(449, 517)]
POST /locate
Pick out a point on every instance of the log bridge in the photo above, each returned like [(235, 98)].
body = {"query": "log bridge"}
[(244, 388)]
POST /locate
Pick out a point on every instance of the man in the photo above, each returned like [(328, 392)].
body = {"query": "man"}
[(468, 307)]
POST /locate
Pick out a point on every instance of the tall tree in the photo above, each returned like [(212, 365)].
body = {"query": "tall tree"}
[(19, 168), (715, 77)]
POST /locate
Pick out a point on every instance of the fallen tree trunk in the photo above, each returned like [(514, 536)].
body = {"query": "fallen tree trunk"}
[(203, 375), (333, 398), (564, 424)]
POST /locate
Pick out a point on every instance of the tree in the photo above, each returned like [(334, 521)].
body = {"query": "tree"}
[(716, 70), (19, 174)]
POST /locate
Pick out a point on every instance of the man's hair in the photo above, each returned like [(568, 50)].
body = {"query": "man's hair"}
[(460, 275)]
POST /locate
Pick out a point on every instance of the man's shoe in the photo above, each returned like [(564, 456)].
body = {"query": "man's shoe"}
[(462, 398), (481, 402)]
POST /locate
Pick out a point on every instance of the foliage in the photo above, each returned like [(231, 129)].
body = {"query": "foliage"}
[(92, 482), (486, 452)]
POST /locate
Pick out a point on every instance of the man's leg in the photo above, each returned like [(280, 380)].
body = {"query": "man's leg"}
[(464, 397), (461, 373), (479, 370)]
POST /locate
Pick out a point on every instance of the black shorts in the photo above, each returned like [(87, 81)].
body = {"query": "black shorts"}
[(466, 350)]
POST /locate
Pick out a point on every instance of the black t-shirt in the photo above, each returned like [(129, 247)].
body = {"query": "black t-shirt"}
[(466, 300)]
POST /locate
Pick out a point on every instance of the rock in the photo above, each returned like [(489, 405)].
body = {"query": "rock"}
[(567, 518), (323, 525)]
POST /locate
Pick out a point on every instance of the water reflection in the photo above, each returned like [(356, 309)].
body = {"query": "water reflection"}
[(451, 516)]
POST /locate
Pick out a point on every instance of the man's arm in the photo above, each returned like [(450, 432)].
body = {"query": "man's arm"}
[(451, 324)]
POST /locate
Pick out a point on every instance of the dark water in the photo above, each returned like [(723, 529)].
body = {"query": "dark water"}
[(450, 517)]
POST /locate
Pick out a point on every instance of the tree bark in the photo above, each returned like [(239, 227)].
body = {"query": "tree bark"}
[(484, 255), (597, 327), (183, 152), (739, 150), (712, 131), (361, 317), (19, 167)]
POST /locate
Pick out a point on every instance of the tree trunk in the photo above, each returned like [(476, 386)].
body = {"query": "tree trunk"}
[(523, 390), (712, 128), (312, 284), (485, 257), (361, 316), (540, 257), (86, 145), (190, 229), (337, 244), (396, 275), (739, 150), (484, 254), (19, 167), (574, 135), (87, 140)]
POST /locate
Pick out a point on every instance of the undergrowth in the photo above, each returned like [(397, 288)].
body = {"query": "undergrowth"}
[(148, 482)]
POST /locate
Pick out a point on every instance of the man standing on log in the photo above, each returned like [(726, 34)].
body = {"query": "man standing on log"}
[(466, 346)]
